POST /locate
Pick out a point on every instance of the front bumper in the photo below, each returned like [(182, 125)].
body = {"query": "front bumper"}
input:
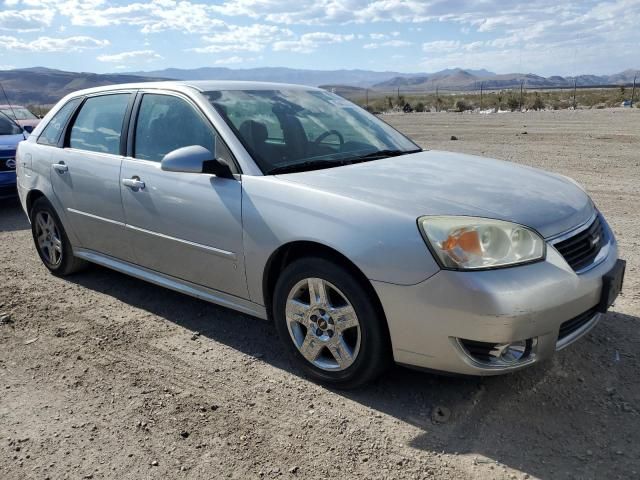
[(8, 184), (426, 321)]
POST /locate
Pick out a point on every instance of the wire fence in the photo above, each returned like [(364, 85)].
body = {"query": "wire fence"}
[(485, 95)]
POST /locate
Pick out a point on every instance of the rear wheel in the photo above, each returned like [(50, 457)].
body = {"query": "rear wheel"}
[(51, 240), (329, 323)]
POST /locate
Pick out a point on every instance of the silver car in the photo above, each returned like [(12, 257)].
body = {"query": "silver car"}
[(291, 204)]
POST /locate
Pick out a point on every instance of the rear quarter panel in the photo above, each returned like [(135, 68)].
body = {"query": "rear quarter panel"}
[(33, 169)]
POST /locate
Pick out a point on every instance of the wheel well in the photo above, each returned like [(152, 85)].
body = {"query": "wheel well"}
[(32, 196), (290, 252)]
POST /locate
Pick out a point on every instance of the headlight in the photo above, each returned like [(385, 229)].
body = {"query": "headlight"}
[(470, 243)]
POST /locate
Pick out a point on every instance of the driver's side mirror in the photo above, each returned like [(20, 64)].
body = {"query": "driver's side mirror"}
[(195, 159)]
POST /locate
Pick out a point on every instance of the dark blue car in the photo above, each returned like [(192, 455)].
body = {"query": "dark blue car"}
[(10, 135)]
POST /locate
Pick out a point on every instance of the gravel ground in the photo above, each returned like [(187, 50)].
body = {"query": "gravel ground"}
[(104, 376)]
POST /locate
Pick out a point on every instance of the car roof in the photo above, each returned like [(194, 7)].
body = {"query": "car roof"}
[(200, 85)]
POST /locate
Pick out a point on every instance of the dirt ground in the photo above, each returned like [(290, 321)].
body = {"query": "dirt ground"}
[(105, 376)]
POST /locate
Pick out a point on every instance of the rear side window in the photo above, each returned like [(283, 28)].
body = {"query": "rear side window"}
[(51, 133), (166, 123), (98, 126)]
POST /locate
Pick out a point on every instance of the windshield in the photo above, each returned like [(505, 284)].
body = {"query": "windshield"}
[(296, 129), (21, 113), (8, 126)]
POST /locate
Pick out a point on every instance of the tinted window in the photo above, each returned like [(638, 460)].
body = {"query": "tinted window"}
[(19, 113), (166, 123), (99, 124), (51, 134), (8, 126)]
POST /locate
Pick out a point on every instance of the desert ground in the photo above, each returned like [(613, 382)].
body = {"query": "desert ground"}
[(105, 376)]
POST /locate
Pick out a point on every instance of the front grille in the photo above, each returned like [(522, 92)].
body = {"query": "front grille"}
[(570, 326), (580, 250), (6, 156)]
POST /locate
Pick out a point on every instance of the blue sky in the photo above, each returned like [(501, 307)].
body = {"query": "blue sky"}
[(539, 36)]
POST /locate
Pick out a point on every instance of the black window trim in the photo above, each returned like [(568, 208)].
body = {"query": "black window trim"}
[(64, 141), (133, 122), (62, 133)]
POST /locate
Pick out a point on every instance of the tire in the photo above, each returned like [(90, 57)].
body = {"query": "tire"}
[(346, 353), (51, 240)]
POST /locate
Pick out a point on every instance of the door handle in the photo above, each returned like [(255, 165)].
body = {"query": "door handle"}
[(133, 182), (60, 167)]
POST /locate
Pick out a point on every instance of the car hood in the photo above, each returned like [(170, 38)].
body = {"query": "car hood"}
[(447, 183)]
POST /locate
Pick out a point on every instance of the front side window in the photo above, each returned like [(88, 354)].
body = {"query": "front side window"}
[(98, 126), (166, 123), (51, 133), (8, 126), (291, 129)]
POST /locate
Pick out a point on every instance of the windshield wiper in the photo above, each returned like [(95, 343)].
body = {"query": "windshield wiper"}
[(304, 166), (319, 164), (381, 154)]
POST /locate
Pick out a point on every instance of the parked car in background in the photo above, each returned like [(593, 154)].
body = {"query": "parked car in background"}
[(22, 115), (10, 135), (292, 204)]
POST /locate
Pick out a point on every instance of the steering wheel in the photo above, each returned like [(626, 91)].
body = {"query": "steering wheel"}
[(328, 133)]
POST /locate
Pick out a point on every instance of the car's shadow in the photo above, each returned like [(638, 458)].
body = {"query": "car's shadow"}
[(512, 419)]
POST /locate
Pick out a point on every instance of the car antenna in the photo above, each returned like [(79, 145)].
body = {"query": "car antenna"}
[(15, 118)]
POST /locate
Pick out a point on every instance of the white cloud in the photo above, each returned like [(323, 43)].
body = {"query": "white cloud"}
[(25, 20), (134, 55), (310, 42), (388, 43), (229, 60), (252, 38), (440, 46), (49, 44)]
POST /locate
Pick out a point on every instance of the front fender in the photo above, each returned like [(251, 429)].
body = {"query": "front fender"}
[(383, 243)]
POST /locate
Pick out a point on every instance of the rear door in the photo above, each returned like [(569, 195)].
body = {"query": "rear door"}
[(85, 174), (187, 225)]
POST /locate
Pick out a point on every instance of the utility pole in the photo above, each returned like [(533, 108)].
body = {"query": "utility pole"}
[(633, 91), (437, 100), (575, 86), (481, 85), (521, 86), (366, 93)]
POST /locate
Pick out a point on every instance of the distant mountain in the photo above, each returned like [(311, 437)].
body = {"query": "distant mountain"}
[(459, 79), (45, 86), (358, 78)]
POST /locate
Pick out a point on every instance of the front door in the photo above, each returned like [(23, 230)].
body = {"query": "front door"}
[(187, 225), (86, 175)]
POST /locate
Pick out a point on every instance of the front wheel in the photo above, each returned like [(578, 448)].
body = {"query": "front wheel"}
[(329, 323)]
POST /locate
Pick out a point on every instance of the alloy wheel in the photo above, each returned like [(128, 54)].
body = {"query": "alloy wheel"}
[(48, 238), (323, 324)]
